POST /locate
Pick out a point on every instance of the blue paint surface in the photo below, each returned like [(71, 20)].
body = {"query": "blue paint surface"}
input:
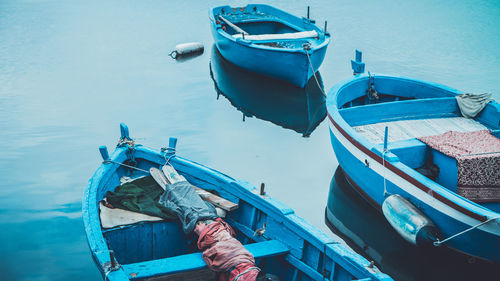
[(70, 72)]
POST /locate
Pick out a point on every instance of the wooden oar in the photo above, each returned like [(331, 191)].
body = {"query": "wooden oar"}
[(169, 175), (234, 26), (159, 177)]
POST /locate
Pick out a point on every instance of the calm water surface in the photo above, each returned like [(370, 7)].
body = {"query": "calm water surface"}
[(71, 71)]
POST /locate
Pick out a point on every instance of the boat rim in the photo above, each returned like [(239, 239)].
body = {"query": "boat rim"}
[(325, 41)]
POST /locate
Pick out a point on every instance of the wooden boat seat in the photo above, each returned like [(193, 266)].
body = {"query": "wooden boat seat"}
[(410, 129), (391, 111), (194, 261), (281, 36)]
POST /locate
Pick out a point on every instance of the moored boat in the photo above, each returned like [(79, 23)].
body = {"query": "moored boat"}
[(406, 147), (266, 40), (281, 242)]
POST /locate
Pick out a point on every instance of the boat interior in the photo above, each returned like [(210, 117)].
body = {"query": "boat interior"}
[(160, 250), (411, 110), (264, 20)]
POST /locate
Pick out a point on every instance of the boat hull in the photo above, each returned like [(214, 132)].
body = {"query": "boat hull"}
[(375, 177), (291, 248), (370, 185), (292, 65)]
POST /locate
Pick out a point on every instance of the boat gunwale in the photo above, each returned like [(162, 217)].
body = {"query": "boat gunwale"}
[(333, 247), (432, 188), (325, 41)]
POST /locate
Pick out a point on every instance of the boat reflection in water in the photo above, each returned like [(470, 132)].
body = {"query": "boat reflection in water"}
[(367, 230), (284, 104)]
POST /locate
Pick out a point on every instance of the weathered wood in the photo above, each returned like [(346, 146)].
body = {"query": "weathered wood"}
[(280, 36), (233, 26), (170, 175), (159, 177), (220, 202)]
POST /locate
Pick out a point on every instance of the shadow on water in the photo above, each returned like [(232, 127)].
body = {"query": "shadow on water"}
[(366, 230), (286, 105)]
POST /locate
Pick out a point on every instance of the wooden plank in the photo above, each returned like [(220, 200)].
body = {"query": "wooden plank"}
[(280, 36), (304, 268), (234, 26), (169, 175), (392, 111), (195, 261), (220, 202)]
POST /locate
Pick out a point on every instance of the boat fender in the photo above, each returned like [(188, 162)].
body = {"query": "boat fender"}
[(187, 49), (409, 221)]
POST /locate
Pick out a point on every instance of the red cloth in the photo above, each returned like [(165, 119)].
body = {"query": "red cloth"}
[(478, 162), (222, 252)]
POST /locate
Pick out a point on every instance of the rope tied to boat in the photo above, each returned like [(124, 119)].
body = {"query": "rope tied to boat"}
[(124, 165), (125, 142), (167, 151), (307, 47), (439, 242), (173, 54), (372, 92)]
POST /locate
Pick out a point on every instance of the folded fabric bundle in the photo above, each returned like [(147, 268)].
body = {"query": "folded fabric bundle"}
[(140, 195), (181, 199), (223, 253)]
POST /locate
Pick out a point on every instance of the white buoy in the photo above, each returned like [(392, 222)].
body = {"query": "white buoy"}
[(408, 221), (187, 49)]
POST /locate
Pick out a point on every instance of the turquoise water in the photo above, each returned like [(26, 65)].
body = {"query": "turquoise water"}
[(71, 71)]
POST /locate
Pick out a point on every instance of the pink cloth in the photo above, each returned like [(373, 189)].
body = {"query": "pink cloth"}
[(222, 252), (478, 162)]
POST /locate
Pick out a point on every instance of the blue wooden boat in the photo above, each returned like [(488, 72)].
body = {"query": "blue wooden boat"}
[(266, 98), (291, 248), (266, 40), (377, 123)]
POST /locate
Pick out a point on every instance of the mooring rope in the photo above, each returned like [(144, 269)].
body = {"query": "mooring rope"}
[(125, 165), (307, 47), (438, 243), (166, 150)]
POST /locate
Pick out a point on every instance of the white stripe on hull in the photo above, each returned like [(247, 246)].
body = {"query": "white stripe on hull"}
[(409, 187)]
